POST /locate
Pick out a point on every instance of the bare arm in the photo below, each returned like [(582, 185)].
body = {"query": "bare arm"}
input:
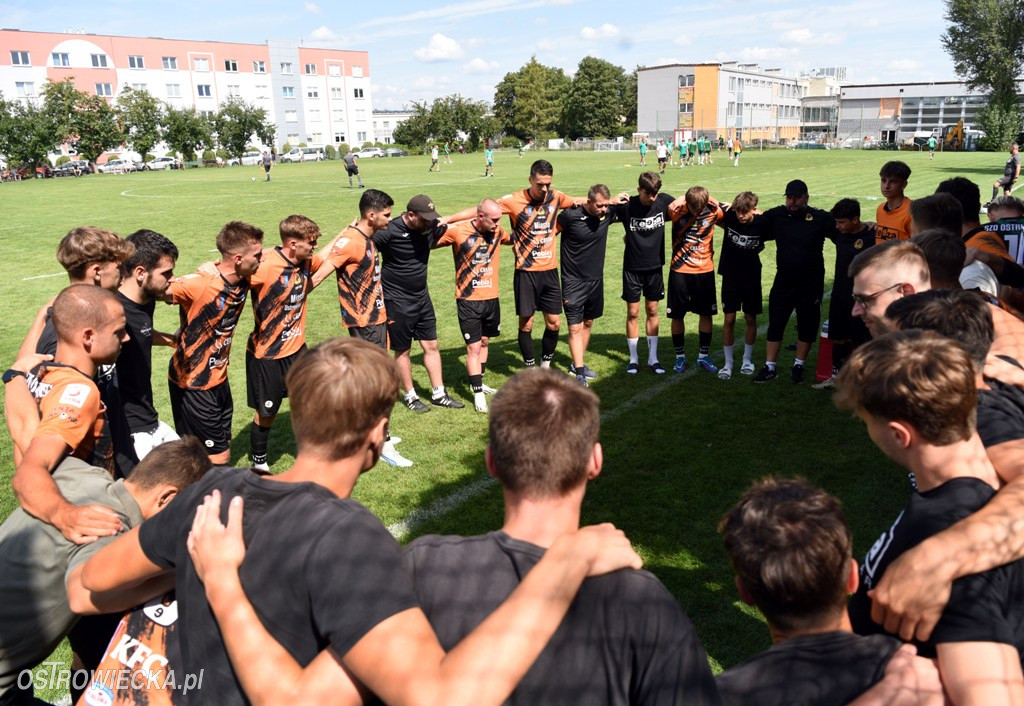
[(86, 602), (167, 339), (38, 494), (322, 273), (1008, 459), (118, 566), (915, 588), (400, 659), (28, 346), (20, 409), (909, 681), (463, 215), (981, 673)]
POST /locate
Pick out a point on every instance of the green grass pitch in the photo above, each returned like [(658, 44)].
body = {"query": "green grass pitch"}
[(678, 452)]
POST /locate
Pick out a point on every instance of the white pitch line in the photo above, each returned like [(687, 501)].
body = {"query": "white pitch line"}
[(58, 274), (442, 506)]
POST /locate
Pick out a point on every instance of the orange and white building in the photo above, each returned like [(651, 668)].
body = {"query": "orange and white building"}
[(316, 96)]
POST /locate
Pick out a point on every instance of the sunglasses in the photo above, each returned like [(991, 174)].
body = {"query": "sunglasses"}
[(865, 299)]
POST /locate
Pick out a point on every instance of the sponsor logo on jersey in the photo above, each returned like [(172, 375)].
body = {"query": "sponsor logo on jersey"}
[(75, 395)]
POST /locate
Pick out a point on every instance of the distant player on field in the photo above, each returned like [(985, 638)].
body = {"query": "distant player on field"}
[(737, 150), (740, 268), (433, 159), (488, 161), (351, 160), (643, 152), (931, 147), (1011, 173), (893, 216), (662, 156)]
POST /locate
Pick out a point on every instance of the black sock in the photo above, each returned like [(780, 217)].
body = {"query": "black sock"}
[(258, 438), (526, 347), (995, 192), (679, 343), (476, 382), (704, 341), (548, 342), (840, 352), (483, 369)]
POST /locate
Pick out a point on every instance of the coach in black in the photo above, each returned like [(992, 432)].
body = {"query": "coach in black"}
[(799, 233), (584, 239), (405, 246)]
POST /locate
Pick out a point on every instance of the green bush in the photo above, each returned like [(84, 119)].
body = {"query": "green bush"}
[(510, 142), (303, 144), (149, 158), (343, 149), (367, 144), (209, 157), (172, 154), (63, 159), (223, 154), (330, 152), (286, 148)]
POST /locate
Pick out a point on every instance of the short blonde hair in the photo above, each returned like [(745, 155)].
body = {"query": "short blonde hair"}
[(86, 245), (339, 391)]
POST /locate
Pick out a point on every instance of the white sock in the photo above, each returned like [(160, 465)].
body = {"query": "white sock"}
[(770, 364), (748, 352), (437, 392), (410, 395), (545, 363), (652, 350), (798, 361), (728, 356), (631, 342)]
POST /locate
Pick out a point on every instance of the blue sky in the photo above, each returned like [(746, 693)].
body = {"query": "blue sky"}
[(422, 50)]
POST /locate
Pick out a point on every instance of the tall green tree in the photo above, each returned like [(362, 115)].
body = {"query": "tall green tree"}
[(87, 123), (186, 131), (595, 102), (27, 133), (237, 123), (139, 114), (529, 101), (414, 131), (629, 102), (985, 39)]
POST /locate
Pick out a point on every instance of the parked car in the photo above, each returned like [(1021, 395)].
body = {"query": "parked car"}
[(116, 166), (249, 159), (369, 152), (303, 154), (395, 152), (162, 163), (82, 166)]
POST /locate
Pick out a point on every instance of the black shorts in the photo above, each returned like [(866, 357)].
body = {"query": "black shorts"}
[(742, 292), (377, 334), (478, 318), (843, 325), (264, 381), (266, 166), (204, 414), (537, 291), (410, 320), (649, 283), (662, 160), (1006, 182), (352, 171), (803, 297), (583, 299), (691, 293)]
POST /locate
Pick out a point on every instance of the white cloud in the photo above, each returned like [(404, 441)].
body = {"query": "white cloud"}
[(425, 83), (560, 2), (682, 41), (323, 33), (313, 8), (767, 53), (904, 65), (474, 42), (547, 45), (457, 11), (803, 35), (479, 66), (440, 48), (605, 31)]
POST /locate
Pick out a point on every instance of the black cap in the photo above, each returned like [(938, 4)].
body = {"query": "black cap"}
[(796, 188), (422, 206)]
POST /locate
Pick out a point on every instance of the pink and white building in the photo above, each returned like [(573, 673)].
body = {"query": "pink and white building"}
[(316, 96)]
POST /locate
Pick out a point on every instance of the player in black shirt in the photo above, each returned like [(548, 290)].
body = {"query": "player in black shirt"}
[(644, 217), (148, 273), (625, 640), (740, 268), (792, 553), (851, 238), (312, 579), (916, 394), (799, 233), (405, 246), (584, 238)]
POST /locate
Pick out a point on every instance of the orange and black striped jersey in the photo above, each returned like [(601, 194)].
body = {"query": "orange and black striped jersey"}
[(279, 290), (893, 225), (988, 242), (69, 406), (533, 227), (355, 260), (693, 249), (209, 309), (476, 260)]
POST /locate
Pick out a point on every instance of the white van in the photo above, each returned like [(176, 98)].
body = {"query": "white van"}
[(304, 154), (249, 159)]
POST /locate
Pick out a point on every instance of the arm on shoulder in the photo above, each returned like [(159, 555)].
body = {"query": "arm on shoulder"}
[(119, 566), (909, 681), (981, 673), (28, 346)]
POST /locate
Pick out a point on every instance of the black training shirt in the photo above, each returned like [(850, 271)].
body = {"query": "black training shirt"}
[(848, 247), (645, 232), (742, 244), (584, 240), (799, 240), (135, 366), (405, 254)]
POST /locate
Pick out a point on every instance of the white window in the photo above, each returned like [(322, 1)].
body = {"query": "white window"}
[(259, 67), (310, 69), (20, 58), (316, 137), (293, 137), (26, 89), (357, 71), (686, 107), (685, 81), (314, 116), (60, 59), (339, 137), (291, 116), (139, 87), (357, 92), (103, 89), (338, 115), (337, 93), (99, 61), (231, 65), (312, 93), (234, 90), (361, 136), (286, 68), (387, 124), (174, 90), (730, 108), (334, 70), (201, 64), (288, 91), (361, 114), (208, 113), (170, 63), (203, 90), (261, 91), (136, 62)]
